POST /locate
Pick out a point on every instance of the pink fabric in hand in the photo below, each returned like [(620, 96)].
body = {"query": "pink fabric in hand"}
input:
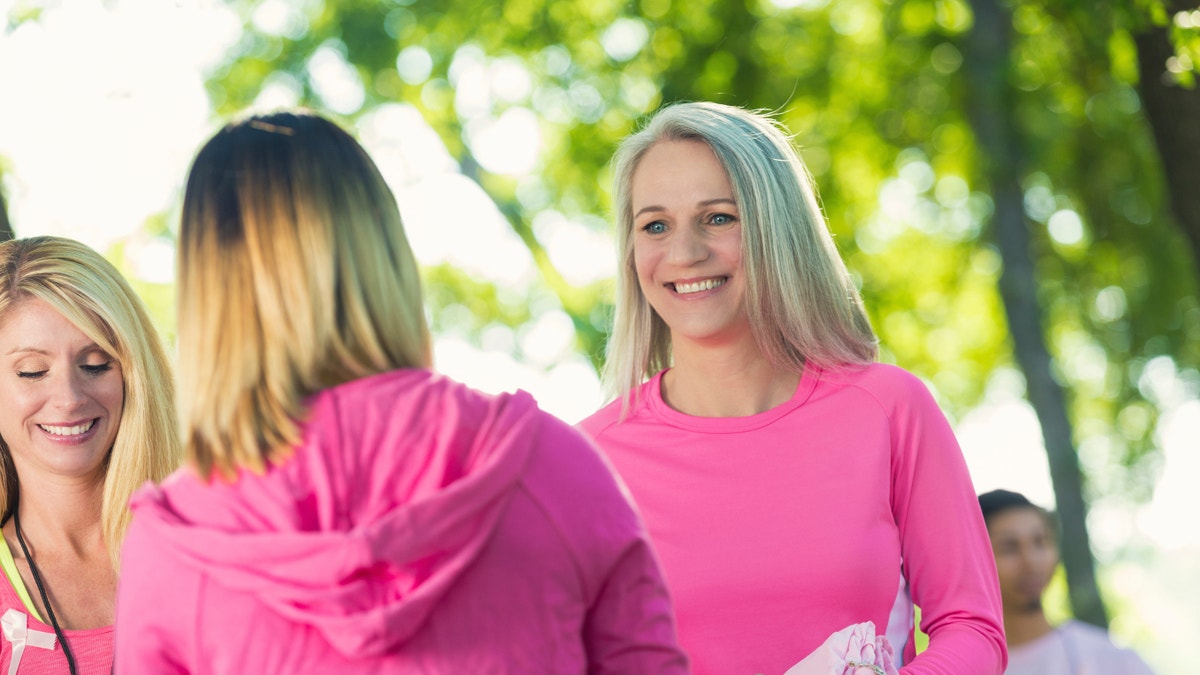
[(854, 650)]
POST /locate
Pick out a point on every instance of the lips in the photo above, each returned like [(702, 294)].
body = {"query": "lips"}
[(684, 288), (69, 430)]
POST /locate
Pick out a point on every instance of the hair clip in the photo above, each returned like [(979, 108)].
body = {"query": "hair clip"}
[(273, 128)]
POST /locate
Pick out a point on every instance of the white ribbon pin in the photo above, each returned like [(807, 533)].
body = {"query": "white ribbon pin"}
[(17, 632)]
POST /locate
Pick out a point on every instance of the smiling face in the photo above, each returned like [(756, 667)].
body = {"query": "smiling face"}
[(62, 394), (687, 243), (1026, 557)]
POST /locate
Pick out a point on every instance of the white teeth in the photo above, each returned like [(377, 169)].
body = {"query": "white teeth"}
[(67, 431), (707, 284)]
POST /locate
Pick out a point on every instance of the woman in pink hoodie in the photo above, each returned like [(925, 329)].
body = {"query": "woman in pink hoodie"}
[(344, 509)]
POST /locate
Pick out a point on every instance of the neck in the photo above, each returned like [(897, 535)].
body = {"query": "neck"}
[(62, 515), (1021, 627), (64, 551), (726, 381)]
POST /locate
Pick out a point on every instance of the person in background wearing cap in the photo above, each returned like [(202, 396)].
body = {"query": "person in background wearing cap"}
[(1023, 541)]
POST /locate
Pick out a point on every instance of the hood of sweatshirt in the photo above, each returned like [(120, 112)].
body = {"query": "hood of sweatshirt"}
[(397, 486)]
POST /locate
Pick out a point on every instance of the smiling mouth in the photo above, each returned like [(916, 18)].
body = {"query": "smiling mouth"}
[(76, 430), (697, 286)]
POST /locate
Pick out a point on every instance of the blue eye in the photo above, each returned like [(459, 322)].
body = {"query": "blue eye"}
[(657, 227), (721, 219)]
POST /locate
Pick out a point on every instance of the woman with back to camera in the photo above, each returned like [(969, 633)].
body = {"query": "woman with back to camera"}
[(791, 485), (343, 509), (86, 416)]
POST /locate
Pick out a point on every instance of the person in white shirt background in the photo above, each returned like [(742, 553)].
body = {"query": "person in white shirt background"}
[(1024, 542)]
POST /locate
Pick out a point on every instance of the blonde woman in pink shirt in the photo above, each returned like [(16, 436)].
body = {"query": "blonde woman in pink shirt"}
[(344, 509), (792, 485), (86, 417)]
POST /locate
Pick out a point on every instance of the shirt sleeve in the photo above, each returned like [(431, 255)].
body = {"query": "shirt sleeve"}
[(947, 556), (630, 624), (155, 600), (630, 627)]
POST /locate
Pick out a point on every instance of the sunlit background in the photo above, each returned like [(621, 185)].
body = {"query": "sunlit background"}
[(103, 103)]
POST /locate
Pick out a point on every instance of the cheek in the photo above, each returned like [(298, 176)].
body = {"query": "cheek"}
[(17, 409), (644, 260), (730, 246), (18, 402), (111, 394), (1007, 566), (735, 259), (1047, 560)]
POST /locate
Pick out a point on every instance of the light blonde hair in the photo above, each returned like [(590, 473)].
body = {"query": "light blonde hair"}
[(88, 291), (802, 304), (295, 276)]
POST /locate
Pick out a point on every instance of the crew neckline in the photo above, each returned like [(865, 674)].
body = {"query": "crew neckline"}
[(658, 407)]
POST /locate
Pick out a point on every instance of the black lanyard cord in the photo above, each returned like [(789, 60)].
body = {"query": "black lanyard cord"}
[(37, 579)]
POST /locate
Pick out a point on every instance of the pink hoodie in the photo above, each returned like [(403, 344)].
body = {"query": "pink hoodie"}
[(421, 527)]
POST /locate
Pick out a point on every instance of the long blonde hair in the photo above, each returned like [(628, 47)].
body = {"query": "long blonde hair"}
[(295, 276), (802, 304), (88, 291)]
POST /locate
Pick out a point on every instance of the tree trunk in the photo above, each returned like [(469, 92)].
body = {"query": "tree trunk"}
[(987, 66), (1173, 112)]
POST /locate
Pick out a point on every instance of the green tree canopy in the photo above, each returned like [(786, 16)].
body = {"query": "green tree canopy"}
[(874, 93)]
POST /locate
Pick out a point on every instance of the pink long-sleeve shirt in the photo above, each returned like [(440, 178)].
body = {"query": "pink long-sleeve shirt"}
[(850, 502)]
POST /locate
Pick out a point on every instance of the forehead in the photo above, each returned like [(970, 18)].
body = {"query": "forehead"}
[(670, 167), (32, 323), (1018, 522)]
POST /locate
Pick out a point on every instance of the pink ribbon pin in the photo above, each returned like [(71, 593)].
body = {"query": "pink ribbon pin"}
[(17, 631)]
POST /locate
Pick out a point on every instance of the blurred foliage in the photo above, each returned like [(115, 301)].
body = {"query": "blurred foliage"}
[(873, 92)]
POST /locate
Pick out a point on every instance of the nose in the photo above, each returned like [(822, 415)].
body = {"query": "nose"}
[(688, 247), (69, 392)]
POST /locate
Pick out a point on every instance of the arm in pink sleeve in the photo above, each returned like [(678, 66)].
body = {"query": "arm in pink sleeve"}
[(630, 623), (946, 552), (630, 627), (156, 608)]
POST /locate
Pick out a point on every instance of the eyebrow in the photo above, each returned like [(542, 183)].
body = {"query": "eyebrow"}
[(22, 350), (93, 347), (707, 202)]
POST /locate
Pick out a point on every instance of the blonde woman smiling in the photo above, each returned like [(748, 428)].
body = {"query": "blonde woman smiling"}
[(792, 486), (87, 416)]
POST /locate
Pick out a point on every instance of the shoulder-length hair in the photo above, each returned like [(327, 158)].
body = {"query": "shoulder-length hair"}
[(295, 275), (88, 291), (802, 304)]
